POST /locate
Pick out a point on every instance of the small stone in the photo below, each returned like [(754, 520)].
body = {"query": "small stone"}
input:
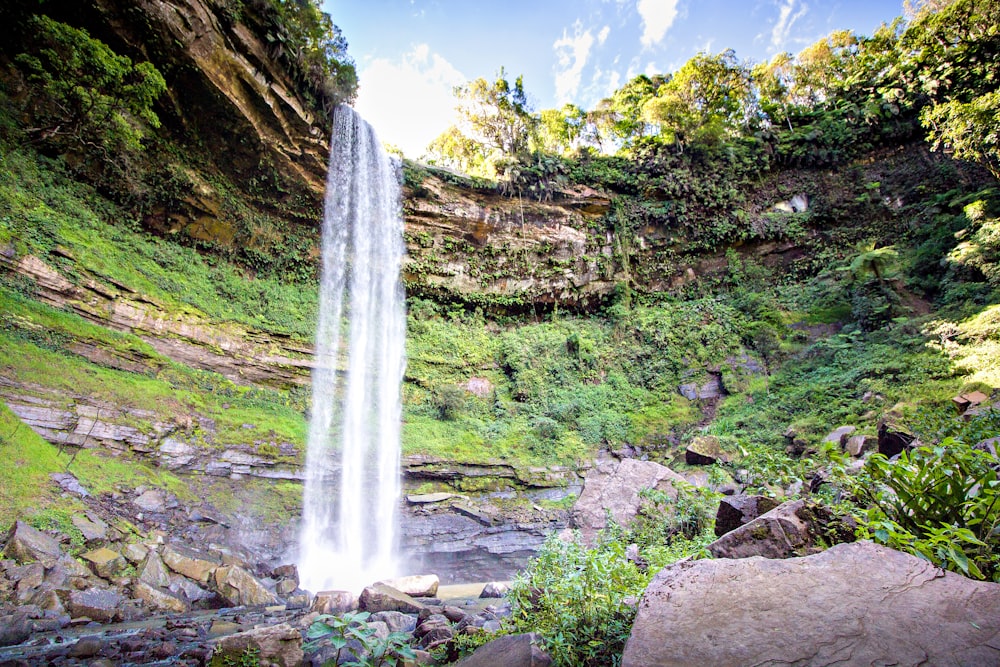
[(86, 647), (285, 586), (840, 435)]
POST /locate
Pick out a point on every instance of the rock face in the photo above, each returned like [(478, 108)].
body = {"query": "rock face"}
[(857, 604), (615, 487)]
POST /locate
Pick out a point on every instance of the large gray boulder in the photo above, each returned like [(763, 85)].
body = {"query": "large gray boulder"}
[(509, 651), (614, 487), (27, 544), (239, 587), (793, 528), (277, 645), (380, 597), (854, 604)]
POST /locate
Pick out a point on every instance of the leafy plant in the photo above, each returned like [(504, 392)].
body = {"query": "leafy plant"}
[(356, 642), (941, 503), (85, 97)]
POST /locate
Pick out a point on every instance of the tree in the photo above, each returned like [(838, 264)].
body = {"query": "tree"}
[(495, 122), (560, 131), (621, 115), (708, 98), (949, 58), (86, 98)]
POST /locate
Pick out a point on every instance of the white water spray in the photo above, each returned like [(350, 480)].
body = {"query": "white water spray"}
[(349, 531)]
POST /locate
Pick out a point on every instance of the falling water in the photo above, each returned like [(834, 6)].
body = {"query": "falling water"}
[(349, 530)]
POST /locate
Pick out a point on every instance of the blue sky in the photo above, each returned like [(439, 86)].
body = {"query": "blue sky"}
[(411, 53)]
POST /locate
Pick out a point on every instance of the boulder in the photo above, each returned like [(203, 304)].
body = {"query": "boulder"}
[(426, 498), (510, 651), (857, 604), (192, 563), (379, 597), (14, 628), (735, 511), (94, 530), (97, 604), (277, 645), (892, 440), (153, 571), (135, 553), (418, 586), (285, 587), (704, 450), (239, 587), (287, 572), (158, 599), (104, 562), (334, 602), (190, 591), (396, 621), (152, 500), (26, 544), (435, 631), (790, 529), (26, 578), (857, 445), (614, 487), (840, 435), (494, 589)]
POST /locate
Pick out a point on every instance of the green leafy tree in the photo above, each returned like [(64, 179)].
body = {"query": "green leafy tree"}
[(621, 115), (84, 97), (495, 121), (313, 47), (560, 131), (949, 59), (708, 99)]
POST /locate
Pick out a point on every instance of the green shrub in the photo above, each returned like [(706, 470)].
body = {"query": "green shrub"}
[(940, 503), (347, 629)]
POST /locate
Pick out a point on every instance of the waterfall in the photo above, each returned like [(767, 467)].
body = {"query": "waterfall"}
[(349, 524)]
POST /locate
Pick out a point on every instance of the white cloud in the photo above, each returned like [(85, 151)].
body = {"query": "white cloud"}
[(409, 101), (602, 36), (657, 17), (786, 19), (571, 57)]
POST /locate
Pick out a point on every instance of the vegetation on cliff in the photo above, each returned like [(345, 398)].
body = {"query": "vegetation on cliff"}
[(725, 308)]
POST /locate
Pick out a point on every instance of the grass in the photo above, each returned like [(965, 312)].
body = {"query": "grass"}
[(27, 491), (46, 210)]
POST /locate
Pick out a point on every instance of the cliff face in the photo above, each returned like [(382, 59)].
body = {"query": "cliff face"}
[(224, 89), (576, 249)]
